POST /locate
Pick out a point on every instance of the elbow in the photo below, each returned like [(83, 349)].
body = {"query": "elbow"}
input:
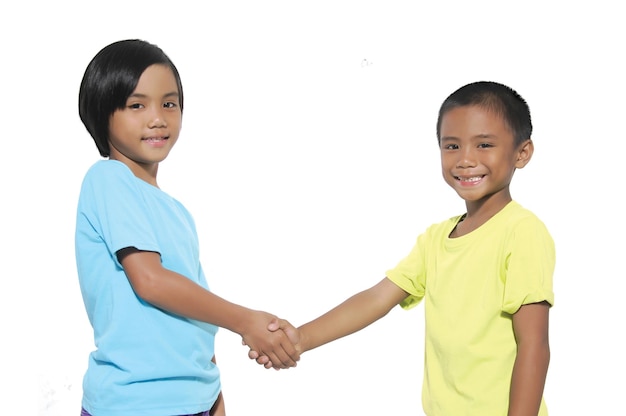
[(145, 287), (540, 355)]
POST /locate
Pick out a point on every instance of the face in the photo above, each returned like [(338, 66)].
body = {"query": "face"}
[(479, 156), (143, 132)]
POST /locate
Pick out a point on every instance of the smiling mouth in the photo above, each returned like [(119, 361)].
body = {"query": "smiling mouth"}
[(469, 178), (155, 139)]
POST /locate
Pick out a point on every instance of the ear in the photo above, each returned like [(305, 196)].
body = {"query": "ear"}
[(524, 153)]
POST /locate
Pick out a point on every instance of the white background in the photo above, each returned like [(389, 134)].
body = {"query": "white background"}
[(308, 157)]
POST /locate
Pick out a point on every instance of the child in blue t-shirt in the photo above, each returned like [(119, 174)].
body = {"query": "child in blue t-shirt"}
[(146, 296)]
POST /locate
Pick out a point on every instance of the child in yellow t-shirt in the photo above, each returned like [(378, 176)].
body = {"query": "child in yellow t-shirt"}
[(485, 276)]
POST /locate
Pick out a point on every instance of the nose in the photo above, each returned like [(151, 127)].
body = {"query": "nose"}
[(467, 158), (157, 118)]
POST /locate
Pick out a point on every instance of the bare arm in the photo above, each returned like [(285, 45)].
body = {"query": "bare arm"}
[(352, 315), (177, 294), (530, 324)]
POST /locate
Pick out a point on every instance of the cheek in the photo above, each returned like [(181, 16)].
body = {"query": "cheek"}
[(175, 128), (446, 168), (175, 120), (447, 161), (120, 123)]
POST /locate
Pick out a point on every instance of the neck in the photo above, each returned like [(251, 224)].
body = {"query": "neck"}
[(479, 212), (147, 172), (489, 206)]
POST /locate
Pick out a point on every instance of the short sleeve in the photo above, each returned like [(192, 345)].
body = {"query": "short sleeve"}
[(112, 204), (530, 266), (410, 275)]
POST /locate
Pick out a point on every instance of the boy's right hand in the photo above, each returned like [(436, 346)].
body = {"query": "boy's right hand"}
[(292, 333), (277, 347)]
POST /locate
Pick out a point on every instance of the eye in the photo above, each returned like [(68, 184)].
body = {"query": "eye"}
[(485, 145), (170, 104), (135, 106), (450, 146)]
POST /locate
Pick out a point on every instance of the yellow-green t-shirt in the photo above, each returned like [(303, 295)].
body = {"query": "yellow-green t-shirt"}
[(471, 286)]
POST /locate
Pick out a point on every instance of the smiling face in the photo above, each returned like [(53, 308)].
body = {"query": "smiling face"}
[(479, 156), (143, 132)]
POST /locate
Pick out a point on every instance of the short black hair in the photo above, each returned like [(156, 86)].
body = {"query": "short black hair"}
[(110, 78), (492, 96)]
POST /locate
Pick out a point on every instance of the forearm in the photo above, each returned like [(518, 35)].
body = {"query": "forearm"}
[(354, 314), (179, 295), (528, 379)]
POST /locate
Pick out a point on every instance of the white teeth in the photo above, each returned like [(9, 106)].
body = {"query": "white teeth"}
[(472, 179)]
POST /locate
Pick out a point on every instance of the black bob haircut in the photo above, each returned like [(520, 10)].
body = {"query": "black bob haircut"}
[(110, 78), (498, 98)]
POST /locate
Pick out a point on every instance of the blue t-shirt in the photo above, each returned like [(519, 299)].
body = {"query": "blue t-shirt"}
[(147, 361)]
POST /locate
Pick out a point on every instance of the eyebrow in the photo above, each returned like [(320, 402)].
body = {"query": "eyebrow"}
[(477, 136), (174, 94), (444, 138), (485, 136)]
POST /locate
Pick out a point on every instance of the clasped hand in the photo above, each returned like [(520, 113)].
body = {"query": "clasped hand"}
[(276, 346)]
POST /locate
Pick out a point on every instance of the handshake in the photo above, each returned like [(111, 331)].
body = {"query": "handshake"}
[(277, 346), (275, 343)]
